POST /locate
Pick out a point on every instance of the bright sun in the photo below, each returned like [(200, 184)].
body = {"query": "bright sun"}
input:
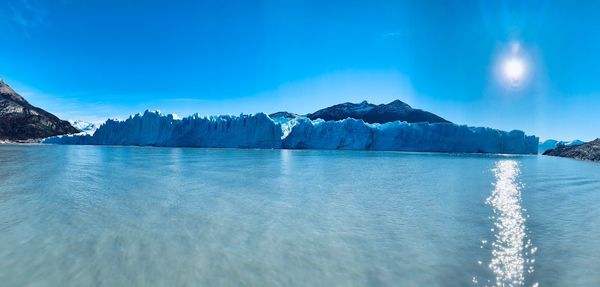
[(514, 69)]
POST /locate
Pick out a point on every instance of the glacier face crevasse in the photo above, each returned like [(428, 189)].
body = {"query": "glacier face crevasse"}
[(260, 131)]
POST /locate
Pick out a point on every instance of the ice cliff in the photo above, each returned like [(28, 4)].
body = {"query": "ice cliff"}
[(155, 129), (260, 131), (403, 136)]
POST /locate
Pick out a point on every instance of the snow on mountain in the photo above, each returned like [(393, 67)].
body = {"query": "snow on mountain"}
[(285, 115), (552, 144), (400, 111), (87, 128), (260, 131), (342, 111)]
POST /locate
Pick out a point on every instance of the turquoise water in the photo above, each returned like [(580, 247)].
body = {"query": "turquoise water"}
[(126, 216)]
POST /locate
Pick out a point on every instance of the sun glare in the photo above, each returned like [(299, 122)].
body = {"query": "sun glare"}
[(514, 69)]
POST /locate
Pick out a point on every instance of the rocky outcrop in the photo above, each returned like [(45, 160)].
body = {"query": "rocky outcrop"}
[(22, 122), (586, 151), (550, 144)]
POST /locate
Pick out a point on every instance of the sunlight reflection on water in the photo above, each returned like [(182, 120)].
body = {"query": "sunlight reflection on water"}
[(511, 247)]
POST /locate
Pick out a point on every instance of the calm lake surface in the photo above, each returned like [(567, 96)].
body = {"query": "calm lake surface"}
[(129, 216)]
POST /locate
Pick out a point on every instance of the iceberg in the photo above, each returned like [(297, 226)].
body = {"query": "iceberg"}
[(261, 131)]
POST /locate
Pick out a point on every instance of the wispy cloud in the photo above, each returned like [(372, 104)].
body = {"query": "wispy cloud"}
[(23, 15), (390, 35), (393, 34)]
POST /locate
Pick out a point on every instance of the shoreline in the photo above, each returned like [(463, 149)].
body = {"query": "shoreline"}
[(20, 142)]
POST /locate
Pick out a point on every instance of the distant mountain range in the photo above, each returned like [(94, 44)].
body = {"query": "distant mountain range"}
[(551, 144), (585, 151), (22, 122), (371, 113)]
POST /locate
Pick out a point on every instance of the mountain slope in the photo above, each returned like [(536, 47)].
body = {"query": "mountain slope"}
[(342, 111), (20, 121), (371, 113), (398, 110), (586, 151)]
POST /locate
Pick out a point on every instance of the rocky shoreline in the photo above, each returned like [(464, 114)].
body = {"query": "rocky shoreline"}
[(28, 141), (587, 151)]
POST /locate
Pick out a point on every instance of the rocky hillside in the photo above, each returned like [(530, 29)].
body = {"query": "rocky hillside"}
[(22, 122), (550, 144), (586, 151), (371, 113)]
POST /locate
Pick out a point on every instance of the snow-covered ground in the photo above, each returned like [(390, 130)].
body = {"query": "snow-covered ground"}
[(260, 131)]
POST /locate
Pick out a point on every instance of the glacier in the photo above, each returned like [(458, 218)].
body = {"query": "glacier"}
[(156, 129), (86, 128), (261, 131)]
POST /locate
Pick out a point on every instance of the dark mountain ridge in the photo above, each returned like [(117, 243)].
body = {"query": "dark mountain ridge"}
[(284, 115), (21, 121), (371, 113)]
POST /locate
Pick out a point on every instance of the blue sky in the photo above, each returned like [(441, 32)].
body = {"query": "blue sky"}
[(96, 59)]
